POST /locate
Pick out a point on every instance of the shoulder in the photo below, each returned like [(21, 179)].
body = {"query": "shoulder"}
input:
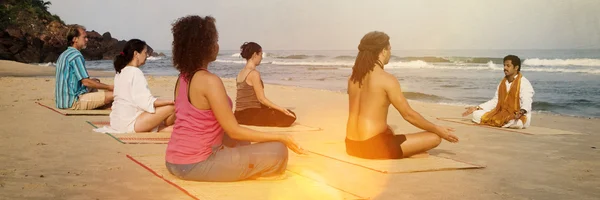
[(525, 81), (386, 79), (133, 70), (205, 81), (203, 77), (73, 53), (254, 73)]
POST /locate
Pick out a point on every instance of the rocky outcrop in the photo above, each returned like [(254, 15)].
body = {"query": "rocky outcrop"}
[(30, 34), (20, 46)]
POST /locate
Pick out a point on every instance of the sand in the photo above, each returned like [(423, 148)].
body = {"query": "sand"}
[(44, 155)]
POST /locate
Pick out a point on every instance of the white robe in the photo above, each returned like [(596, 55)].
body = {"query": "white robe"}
[(526, 93), (132, 98)]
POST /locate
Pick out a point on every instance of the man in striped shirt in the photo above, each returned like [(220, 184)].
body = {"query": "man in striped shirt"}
[(74, 88)]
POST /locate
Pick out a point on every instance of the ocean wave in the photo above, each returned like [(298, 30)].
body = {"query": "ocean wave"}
[(410, 64), (547, 106), (420, 64), (491, 65), (423, 96), (585, 62), (449, 85), (155, 58), (563, 70), (562, 62), (239, 55), (345, 57), (581, 101), (391, 65), (478, 60), (488, 66), (313, 63), (48, 64), (288, 63), (428, 59), (300, 56), (231, 61)]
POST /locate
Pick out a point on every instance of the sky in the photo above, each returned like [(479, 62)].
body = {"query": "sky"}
[(340, 24)]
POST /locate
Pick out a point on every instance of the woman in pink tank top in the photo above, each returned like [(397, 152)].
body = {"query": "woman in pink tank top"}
[(207, 143)]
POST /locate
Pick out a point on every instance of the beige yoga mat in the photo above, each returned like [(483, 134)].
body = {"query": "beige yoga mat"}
[(296, 127), (66, 112), (532, 130), (337, 151), (294, 186), (135, 138)]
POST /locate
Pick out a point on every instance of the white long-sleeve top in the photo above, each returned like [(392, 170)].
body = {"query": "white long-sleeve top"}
[(132, 97), (526, 93)]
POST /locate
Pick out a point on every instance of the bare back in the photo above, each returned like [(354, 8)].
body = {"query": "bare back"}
[(369, 105)]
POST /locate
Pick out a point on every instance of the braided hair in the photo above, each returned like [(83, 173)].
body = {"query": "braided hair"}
[(369, 49)]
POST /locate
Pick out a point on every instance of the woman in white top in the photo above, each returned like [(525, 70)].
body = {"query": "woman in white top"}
[(134, 108)]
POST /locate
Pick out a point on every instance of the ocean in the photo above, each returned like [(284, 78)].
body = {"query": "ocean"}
[(566, 82)]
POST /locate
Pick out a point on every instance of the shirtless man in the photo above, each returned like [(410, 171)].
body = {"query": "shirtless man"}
[(371, 90)]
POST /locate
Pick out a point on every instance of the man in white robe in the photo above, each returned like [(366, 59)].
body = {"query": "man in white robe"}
[(512, 68)]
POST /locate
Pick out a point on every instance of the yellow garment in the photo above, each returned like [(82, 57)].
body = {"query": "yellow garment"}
[(508, 105)]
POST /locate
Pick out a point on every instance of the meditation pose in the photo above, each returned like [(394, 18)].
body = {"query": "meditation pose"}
[(371, 90), (74, 88), (134, 108), (251, 105), (207, 143), (511, 106)]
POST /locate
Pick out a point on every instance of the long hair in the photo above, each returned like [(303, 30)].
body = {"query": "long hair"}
[(369, 49), (125, 56)]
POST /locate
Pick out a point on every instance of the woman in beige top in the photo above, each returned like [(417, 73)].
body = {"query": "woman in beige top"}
[(371, 90), (251, 105)]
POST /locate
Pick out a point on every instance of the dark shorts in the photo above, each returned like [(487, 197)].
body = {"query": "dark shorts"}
[(264, 116), (385, 145)]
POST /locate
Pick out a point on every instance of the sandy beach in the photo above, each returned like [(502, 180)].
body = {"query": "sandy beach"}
[(44, 155)]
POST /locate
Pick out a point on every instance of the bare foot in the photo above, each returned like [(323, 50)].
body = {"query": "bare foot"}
[(420, 155)]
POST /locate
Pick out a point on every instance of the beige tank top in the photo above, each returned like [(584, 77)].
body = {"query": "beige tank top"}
[(246, 97)]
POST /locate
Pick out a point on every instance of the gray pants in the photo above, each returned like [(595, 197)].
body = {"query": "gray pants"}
[(234, 161)]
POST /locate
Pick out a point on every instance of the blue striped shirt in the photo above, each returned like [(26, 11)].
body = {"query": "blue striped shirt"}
[(70, 70)]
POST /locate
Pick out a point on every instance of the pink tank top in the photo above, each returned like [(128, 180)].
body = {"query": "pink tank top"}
[(195, 131)]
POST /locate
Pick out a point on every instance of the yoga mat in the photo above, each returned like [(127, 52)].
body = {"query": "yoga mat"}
[(67, 112), (337, 151), (294, 186), (532, 130), (296, 127), (135, 138)]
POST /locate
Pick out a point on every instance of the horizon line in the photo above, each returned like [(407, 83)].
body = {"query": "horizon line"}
[(401, 49)]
